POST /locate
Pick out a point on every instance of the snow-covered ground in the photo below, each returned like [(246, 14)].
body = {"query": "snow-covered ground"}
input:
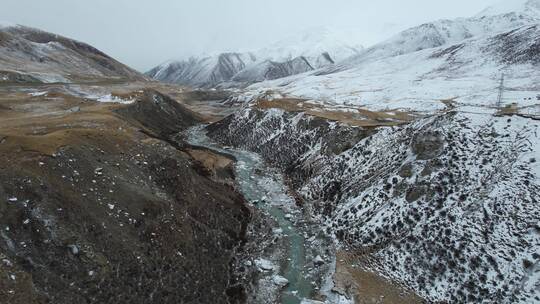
[(454, 227), (413, 82), (93, 93)]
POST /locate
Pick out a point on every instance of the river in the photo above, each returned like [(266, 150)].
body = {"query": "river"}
[(265, 188)]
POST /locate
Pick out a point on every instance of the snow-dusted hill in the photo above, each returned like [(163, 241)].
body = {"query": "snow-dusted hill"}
[(268, 69), (28, 54), (298, 54), (467, 72), (447, 32), (447, 206), (206, 71)]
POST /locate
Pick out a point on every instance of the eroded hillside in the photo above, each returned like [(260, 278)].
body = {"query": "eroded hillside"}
[(99, 204)]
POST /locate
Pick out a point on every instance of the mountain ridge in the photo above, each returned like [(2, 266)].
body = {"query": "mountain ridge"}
[(318, 47), (29, 53)]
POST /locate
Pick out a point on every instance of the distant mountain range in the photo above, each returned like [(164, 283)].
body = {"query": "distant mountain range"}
[(301, 53), (296, 64), (32, 55)]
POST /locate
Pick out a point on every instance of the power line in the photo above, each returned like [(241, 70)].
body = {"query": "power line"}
[(501, 91)]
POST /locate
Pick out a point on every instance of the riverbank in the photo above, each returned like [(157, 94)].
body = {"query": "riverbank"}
[(352, 277)]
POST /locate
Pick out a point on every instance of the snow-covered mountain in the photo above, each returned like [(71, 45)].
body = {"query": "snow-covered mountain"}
[(461, 59), (205, 71), (446, 32), (333, 45), (297, 54), (28, 54)]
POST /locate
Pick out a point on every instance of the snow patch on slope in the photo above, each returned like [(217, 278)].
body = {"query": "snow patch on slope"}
[(109, 98)]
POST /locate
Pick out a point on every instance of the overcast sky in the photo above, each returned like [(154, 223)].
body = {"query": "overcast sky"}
[(144, 33)]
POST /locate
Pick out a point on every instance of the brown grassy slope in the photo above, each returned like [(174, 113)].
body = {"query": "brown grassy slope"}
[(355, 117), (105, 213)]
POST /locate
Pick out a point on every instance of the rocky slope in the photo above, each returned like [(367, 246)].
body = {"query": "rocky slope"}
[(32, 55), (268, 70), (298, 54), (446, 206)]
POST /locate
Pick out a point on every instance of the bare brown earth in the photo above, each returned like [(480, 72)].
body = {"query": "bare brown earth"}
[(218, 166), (352, 116), (367, 287), (99, 203)]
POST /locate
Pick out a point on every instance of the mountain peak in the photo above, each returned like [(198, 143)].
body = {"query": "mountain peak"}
[(340, 43), (526, 7)]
